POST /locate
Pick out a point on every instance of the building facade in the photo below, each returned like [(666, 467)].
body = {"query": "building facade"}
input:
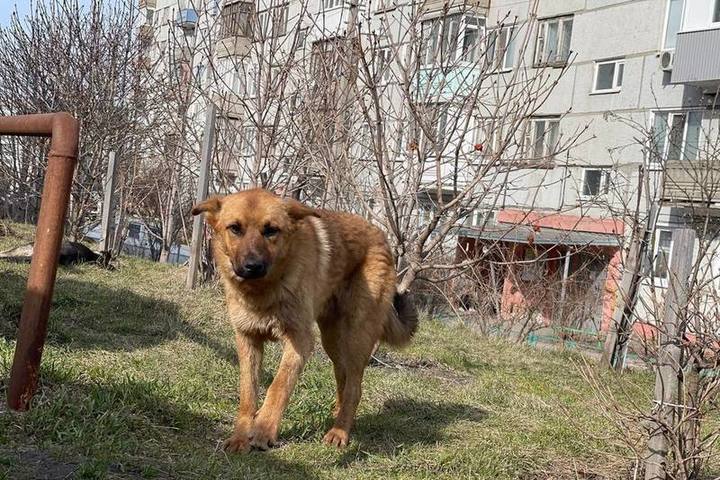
[(617, 137)]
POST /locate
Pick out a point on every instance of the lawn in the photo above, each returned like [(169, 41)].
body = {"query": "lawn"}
[(139, 381)]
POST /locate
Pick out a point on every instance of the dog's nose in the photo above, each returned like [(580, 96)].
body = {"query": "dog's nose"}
[(252, 269)]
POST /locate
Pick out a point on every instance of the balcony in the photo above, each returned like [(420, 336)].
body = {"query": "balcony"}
[(187, 18), (697, 59), (692, 182)]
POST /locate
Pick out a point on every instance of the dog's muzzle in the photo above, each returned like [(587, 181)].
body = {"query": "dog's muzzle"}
[(252, 269)]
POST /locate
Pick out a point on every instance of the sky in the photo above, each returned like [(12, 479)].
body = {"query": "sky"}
[(8, 6)]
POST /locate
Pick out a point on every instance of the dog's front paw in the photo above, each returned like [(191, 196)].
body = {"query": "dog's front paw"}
[(337, 437), (264, 434), (238, 443)]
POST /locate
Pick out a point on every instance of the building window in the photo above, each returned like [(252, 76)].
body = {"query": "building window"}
[(716, 12), (663, 254), (251, 80), (500, 49), (608, 76), (541, 138), (673, 23), (424, 215), (384, 5), (487, 138), (384, 70), (279, 20), (479, 218), (134, 231), (676, 136), (553, 42), (247, 147), (596, 181), (329, 4), (300, 39), (452, 37), (236, 19), (437, 116)]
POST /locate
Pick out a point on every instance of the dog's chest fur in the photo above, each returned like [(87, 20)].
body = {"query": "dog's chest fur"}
[(296, 301)]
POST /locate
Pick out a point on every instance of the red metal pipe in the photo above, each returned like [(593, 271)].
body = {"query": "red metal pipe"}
[(64, 131)]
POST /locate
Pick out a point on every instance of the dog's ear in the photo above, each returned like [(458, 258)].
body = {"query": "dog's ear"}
[(298, 211), (209, 207)]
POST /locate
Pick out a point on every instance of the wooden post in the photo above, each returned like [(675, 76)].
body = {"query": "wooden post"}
[(668, 371), (202, 191), (618, 339), (107, 224)]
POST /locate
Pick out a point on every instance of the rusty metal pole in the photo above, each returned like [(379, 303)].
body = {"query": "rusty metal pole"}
[(64, 131)]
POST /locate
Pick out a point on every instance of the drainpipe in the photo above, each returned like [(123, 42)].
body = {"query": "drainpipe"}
[(64, 132)]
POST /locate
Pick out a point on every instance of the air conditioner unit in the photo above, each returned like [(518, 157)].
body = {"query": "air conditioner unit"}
[(667, 58)]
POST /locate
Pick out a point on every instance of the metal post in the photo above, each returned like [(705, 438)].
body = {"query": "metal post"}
[(202, 192), (563, 285), (669, 366), (64, 130), (107, 225)]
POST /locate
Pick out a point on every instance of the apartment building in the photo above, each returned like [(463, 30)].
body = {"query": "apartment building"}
[(632, 105)]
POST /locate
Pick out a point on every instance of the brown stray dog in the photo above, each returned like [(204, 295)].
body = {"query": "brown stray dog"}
[(284, 266)]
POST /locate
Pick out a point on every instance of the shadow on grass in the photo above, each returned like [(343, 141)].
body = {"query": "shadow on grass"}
[(406, 422), (85, 315), (129, 427)]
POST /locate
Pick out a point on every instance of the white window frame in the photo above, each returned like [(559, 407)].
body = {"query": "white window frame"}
[(541, 53), (605, 180), (662, 281), (508, 58), (663, 39), (247, 147), (252, 81), (332, 4), (617, 80), (530, 138), (279, 20), (442, 136), (433, 39), (383, 74), (362, 147), (479, 217), (668, 132), (384, 5), (490, 143), (301, 38)]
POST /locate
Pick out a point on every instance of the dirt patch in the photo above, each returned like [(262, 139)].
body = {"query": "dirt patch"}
[(35, 464)]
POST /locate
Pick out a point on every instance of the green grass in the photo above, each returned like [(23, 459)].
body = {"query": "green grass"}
[(139, 381)]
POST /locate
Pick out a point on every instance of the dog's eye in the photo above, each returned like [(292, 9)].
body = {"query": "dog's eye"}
[(235, 229), (270, 231)]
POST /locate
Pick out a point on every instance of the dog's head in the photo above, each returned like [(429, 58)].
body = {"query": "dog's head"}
[(253, 229)]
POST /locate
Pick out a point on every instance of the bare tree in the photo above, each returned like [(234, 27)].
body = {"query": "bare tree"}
[(68, 57)]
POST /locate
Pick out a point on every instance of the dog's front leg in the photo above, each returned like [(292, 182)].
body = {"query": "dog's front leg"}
[(297, 347), (250, 353)]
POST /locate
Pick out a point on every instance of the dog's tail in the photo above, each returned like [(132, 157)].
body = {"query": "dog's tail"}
[(402, 320)]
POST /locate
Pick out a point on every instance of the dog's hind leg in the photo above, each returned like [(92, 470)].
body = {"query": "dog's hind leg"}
[(329, 335), (339, 434), (351, 339)]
